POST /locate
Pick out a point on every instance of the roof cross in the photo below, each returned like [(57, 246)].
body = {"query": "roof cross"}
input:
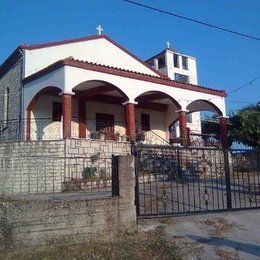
[(168, 44), (100, 30)]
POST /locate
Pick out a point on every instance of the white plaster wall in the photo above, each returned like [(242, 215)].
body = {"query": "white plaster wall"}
[(157, 124), (97, 107), (192, 67), (98, 51), (42, 126), (54, 79)]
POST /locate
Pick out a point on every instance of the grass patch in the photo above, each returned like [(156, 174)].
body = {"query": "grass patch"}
[(128, 245)]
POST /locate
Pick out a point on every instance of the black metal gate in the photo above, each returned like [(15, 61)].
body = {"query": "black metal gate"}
[(174, 180)]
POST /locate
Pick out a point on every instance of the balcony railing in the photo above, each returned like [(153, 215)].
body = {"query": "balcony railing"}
[(49, 129)]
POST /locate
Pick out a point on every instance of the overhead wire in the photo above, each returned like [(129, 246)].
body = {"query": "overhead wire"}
[(252, 37)]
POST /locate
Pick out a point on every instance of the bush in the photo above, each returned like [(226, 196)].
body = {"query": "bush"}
[(89, 173)]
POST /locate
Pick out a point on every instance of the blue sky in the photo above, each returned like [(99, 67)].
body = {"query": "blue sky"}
[(225, 61)]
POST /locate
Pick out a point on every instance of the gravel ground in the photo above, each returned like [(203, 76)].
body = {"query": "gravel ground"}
[(233, 235)]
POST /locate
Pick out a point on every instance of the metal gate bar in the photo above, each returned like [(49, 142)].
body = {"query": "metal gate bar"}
[(175, 180)]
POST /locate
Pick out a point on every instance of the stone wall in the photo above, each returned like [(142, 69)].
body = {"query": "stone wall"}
[(12, 80), (43, 166), (37, 222)]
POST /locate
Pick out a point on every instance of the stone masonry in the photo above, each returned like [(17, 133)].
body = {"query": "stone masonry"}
[(11, 79), (42, 166), (47, 221)]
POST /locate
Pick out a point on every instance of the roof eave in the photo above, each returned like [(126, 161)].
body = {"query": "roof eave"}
[(10, 61), (124, 73)]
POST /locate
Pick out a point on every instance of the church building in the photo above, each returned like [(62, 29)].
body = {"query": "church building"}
[(93, 88)]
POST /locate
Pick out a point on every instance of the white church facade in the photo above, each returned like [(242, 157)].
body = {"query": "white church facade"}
[(93, 88)]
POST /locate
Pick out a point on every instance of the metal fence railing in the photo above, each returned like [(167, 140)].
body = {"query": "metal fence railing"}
[(43, 176), (49, 129)]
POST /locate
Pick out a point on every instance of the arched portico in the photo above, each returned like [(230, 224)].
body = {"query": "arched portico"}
[(208, 106), (90, 89), (41, 119), (153, 112), (100, 108)]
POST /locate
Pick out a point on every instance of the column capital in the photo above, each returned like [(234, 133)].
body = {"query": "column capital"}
[(181, 110), (130, 102), (66, 93), (219, 117)]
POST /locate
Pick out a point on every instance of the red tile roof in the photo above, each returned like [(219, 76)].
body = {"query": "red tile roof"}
[(123, 73)]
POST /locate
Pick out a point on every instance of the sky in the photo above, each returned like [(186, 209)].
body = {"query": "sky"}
[(224, 61)]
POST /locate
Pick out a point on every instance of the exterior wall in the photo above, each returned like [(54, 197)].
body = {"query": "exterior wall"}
[(42, 126), (192, 68), (157, 124), (35, 222), (98, 51), (12, 80), (96, 107)]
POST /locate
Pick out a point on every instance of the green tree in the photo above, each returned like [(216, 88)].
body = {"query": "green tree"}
[(245, 125)]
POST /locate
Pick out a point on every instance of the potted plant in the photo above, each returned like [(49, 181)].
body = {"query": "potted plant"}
[(123, 138), (89, 174), (94, 135), (117, 136), (102, 136)]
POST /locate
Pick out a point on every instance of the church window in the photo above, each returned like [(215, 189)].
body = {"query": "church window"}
[(176, 60), (181, 78), (161, 63), (6, 106), (184, 63)]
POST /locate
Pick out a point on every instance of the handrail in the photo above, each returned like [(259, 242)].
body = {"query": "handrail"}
[(206, 135), (151, 131)]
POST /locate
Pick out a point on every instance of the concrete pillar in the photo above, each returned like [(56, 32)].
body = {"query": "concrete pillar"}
[(223, 132), (66, 112), (82, 118), (183, 127), (130, 120), (28, 124)]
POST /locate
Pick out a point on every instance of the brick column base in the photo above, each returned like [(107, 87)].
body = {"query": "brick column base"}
[(223, 132), (130, 120), (183, 128), (66, 112)]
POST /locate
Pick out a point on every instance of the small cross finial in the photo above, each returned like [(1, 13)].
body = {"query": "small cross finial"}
[(168, 44), (100, 30)]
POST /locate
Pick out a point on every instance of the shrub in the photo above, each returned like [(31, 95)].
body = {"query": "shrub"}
[(89, 173)]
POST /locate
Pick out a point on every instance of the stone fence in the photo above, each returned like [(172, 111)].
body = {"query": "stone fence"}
[(49, 166), (32, 222)]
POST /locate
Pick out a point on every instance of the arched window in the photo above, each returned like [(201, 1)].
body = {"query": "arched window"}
[(6, 106)]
